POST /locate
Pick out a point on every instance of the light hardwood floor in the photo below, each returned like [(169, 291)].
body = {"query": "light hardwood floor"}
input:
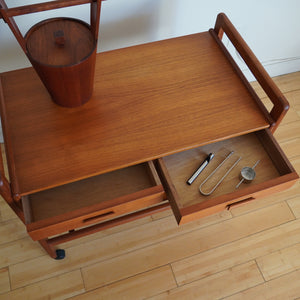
[(252, 252)]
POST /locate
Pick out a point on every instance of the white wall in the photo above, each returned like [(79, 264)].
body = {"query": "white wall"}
[(270, 27)]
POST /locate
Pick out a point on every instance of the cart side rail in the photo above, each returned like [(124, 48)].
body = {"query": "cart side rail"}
[(281, 105)]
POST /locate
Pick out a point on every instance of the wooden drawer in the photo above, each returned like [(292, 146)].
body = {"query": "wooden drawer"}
[(273, 173), (91, 201)]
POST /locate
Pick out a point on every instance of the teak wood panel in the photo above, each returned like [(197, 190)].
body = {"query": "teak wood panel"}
[(149, 101), (123, 184), (92, 200), (95, 214), (273, 174)]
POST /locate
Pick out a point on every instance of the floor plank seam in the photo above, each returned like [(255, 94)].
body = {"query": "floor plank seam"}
[(83, 281), (257, 285), (198, 279), (155, 295), (174, 276), (285, 199), (150, 244), (20, 239), (292, 157), (282, 141), (290, 208), (283, 91), (279, 249), (1, 292), (91, 263), (9, 278), (27, 286), (290, 91), (259, 269), (168, 237), (258, 232), (212, 274), (253, 259), (92, 239), (125, 278), (286, 121), (242, 291), (153, 219), (18, 262), (234, 241), (161, 293), (258, 208), (282, 275), (28, 260)]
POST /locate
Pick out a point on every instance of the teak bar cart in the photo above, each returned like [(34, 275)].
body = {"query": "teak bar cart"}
[(156, 112)]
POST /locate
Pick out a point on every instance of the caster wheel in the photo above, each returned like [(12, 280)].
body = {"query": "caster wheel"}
[(60, 254)]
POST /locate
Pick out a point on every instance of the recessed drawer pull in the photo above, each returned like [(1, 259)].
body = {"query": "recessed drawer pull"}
[(98, 216), (236, 204)]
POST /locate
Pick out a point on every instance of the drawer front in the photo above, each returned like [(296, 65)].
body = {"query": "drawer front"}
[(273, 174), (78, 219), (92, 201)]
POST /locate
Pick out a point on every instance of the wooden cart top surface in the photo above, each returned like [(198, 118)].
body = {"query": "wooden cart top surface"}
[(149, 101)]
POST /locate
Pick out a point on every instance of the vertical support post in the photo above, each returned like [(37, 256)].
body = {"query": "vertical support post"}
[(12, 25), (95, 17), (6, 193), (48, 247), (218, 28)]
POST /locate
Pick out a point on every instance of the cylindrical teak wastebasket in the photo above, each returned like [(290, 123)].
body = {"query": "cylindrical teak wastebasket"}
[(63, 53), (61, 50)]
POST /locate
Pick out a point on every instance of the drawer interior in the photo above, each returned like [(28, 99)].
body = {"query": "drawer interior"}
[(250, 148), (106, 188)]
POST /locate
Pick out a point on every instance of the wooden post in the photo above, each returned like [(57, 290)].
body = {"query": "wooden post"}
[(12, 25)]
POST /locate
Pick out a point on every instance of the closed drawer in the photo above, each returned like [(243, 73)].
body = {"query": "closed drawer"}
[(92, 201), (273, 173)]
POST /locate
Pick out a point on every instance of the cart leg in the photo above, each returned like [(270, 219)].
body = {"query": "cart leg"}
[(54, 253)]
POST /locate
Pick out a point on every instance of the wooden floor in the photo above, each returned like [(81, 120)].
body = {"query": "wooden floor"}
[(252, 252)]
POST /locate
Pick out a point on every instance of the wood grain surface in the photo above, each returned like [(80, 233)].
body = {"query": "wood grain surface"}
[(141, 109)]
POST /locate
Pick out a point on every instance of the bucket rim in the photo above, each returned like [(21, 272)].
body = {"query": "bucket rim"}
[(35, 27)]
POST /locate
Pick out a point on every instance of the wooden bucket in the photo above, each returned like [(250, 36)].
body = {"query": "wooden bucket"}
[(61, 50), (63, 53)]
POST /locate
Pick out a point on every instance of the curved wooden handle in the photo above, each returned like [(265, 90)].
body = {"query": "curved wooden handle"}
[(8, 13), (33, 8), (281, 105)]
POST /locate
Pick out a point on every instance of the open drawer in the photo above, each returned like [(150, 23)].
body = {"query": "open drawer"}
[(91, 201), (273, 173)]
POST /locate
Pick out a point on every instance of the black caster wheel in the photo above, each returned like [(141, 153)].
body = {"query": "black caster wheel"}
[(60, 254)]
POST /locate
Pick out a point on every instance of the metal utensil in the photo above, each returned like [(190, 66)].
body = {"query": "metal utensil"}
[(214, 171), (247, 174), (201, 168)]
